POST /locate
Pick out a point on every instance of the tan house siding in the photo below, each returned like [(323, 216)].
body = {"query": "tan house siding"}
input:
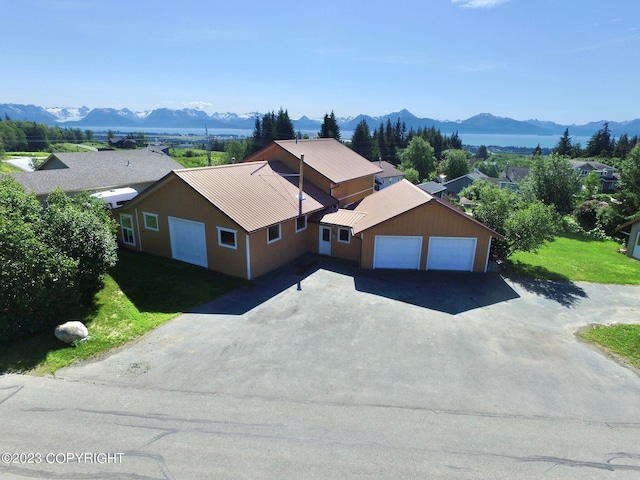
[(269, 256), (429, 220), (354, 190), (190, 206), (345, 251)]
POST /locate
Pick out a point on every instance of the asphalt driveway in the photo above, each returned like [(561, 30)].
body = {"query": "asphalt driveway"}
[(322, 371)]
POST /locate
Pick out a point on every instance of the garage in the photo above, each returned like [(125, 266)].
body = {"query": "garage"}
[(401, 252), (188, 241), (451, 253)]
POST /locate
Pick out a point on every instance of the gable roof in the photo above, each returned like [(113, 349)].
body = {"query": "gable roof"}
[(77, 172), (388, 170), (254, 195), (579, 164), (398, 199), (468, 177), (432, 187), (330, 158)]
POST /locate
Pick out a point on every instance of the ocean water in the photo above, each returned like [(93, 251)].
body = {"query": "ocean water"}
[(476, 139)]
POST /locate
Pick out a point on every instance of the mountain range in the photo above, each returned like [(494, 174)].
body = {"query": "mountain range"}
[(165, 118)]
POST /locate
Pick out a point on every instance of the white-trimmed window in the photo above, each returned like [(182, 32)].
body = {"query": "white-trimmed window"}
[(151, 221), (301, 223), (273, 233), (344, 235), (126, 224), (227, 238)]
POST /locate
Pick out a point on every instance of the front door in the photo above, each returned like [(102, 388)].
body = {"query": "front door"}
[(324, 245)]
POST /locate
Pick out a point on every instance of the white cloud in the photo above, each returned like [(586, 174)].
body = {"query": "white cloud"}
[(478, 3)]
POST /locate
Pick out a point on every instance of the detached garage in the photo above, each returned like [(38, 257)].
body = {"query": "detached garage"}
[(404, 227)]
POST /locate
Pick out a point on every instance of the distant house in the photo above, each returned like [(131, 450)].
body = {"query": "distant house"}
[(632, 228), (510, 176), (455, 186), (389, 175), (122, 142), (97, 171), (290, 198), (434, 188), (608, 175)]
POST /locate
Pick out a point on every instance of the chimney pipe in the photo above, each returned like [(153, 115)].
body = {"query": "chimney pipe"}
[(300, 186)]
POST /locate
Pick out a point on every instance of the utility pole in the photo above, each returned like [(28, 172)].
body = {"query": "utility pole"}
[(206, 132)]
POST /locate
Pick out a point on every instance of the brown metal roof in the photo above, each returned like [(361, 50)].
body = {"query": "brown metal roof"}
[(388, 203), (398, 199), (331, 158), (342, 218), (255, 195)]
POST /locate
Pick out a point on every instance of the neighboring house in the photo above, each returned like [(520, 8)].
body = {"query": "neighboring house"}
[(97, 171), (434, 188), (608, 175), (122, 142), (633, 244), (455, 186), (510, 176), (328, 164), (248, 219), (388, 176)]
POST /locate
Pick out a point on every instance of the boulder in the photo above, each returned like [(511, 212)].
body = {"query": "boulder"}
[(71, 331)]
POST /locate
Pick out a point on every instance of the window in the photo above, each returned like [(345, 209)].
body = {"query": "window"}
[(301, 223), (344, 235), (150, 221), (126, 223), (227, 238), (273, 233)]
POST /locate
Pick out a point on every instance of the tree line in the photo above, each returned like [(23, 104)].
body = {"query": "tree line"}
[(26, 136)]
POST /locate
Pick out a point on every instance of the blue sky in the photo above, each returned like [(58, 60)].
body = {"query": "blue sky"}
[(568, 61)]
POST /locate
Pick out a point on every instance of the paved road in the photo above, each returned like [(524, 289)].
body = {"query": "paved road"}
[(324, 372)]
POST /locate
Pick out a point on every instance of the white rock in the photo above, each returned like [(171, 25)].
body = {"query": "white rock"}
[(71, 331)]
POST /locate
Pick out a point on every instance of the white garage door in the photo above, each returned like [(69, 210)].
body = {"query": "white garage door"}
[(397, 252), (188, 241), (451, 253)]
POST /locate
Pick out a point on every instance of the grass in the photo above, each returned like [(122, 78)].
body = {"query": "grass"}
[(577, 258), (8, 168), (140, 293), (196, 157), (621, 341)]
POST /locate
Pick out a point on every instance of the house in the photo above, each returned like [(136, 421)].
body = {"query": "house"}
[(328, 164), (97, 171), (608, 175), (434, 188), (250, 218), (632, 228), (511, 176), (123, 142), (455, 186), (390, 174)]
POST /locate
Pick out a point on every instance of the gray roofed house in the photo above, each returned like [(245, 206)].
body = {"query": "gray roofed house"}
[(390, 174), (97, 171), (608, 175), (433, 188), (457, 184)]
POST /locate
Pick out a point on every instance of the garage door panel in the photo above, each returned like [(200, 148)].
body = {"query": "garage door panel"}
[(400, 252), (451, 253), (188, 241)]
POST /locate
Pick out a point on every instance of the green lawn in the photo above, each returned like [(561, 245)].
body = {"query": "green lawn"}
[(140, 293), (196, 157), (622, 341), (578, 258)]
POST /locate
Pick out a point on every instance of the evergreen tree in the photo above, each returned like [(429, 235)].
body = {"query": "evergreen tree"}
[(564, 147), (330, 127), (361, 142), (623, 147), (283, 126), (601, 144)]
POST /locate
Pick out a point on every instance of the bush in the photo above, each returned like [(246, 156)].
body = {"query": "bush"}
[(52, 260)]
